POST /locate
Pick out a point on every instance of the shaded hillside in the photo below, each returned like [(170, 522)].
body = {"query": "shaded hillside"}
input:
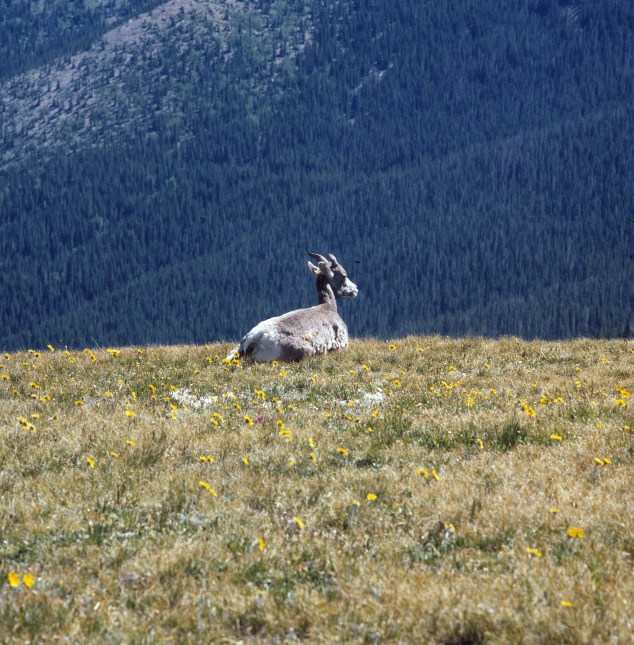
[(471, 168), (144, 76), (31, 33)]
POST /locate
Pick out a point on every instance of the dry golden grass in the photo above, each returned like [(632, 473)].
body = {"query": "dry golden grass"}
[(107, 513)]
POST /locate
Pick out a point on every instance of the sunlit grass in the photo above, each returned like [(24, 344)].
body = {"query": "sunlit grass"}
[(424, 489)]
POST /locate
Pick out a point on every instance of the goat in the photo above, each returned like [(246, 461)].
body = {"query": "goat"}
[(304, 332)]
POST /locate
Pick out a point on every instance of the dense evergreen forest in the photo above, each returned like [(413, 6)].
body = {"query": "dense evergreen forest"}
[(470, 163)]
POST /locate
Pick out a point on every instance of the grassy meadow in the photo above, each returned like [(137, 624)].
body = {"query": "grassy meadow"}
[(422, 490)]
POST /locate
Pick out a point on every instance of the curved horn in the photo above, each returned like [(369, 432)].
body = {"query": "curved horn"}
[(333, 259), (319, 258)]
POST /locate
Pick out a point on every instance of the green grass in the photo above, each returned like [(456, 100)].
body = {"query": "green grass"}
[(389, 504)]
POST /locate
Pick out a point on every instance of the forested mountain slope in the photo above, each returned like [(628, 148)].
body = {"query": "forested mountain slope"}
[(471, 165)]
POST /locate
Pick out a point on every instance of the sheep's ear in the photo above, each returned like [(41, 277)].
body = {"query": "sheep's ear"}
[(326, 270), (313, 268), (333, 260)]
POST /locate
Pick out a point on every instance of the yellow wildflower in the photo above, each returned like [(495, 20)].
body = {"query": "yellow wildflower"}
[(28, 580), (207, 487), (370, 497), (299, 523), (535, 552), (575, 533), (14, 579), (91, 462)]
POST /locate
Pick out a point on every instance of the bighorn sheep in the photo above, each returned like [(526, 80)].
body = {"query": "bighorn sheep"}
[(304, 332)]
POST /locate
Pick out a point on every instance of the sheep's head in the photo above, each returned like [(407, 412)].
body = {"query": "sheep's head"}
[(336, 275)]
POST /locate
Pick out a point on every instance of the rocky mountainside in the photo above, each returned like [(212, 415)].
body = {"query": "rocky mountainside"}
[(139, 72)]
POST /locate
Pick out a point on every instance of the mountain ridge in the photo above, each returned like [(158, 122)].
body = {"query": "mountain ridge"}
[(88, 98)]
